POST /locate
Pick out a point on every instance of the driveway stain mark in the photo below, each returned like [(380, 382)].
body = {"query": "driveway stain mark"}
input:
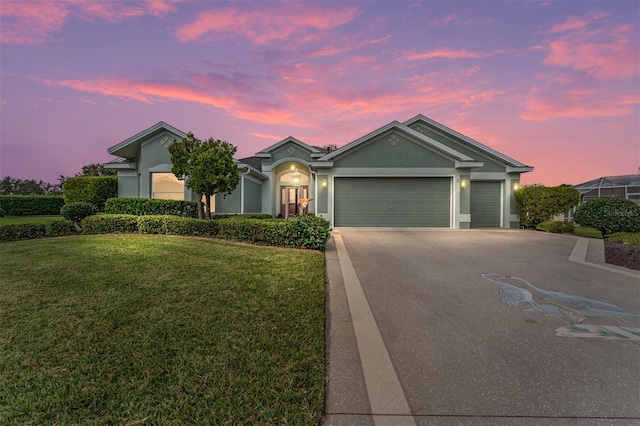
[(577, 312)]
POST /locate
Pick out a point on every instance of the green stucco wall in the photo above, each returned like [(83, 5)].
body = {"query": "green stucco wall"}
[(322, 203), (252, 197), (465, 194), (392, 149), (128, 184), (152, 154)]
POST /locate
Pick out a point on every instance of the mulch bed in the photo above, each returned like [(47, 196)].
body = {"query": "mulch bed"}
[(621, 254)]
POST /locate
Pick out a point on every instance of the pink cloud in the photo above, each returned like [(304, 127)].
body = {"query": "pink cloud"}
[(575, 23), (452, 18), (265, 25), (447, 53), (602, 51), (31, 22), (151, 92), (35, 22), (106, 11), (334, 50), (544, 105), (161, 7)]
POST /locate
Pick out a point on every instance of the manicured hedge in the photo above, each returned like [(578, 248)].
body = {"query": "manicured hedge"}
[(31, 205), (109, 223), (301, 232), (30, 231), (90, 189), (148, 206)]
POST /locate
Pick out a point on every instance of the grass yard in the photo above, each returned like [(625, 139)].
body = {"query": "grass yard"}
[(581, 231), (149, 330), (10, 220)]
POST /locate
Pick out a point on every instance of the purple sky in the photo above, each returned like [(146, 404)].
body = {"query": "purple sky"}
[(554, 85)]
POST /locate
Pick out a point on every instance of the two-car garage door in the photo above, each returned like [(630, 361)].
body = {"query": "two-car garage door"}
[(397, 202)]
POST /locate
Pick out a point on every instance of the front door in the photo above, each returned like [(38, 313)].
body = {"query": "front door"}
[(290, 196)]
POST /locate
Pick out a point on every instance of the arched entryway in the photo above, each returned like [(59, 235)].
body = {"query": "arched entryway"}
[(293, 191)]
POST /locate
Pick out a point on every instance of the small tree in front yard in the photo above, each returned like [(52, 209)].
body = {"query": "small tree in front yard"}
[(609, 215), (207, 168), (538, 203)]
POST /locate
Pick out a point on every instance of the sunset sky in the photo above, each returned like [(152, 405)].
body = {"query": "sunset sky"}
[(553, 84)]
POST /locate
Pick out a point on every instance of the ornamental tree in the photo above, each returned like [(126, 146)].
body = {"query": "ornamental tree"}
[(609, 215), (538, 203), (206, 167)]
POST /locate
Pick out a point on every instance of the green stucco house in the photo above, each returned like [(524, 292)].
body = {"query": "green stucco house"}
[(419, 173)]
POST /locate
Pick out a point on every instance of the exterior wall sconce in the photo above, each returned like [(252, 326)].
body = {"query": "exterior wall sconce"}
[(463, 183), (516, 186), (324, 183)]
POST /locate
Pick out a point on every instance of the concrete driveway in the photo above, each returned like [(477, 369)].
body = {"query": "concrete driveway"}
[(478, 327)]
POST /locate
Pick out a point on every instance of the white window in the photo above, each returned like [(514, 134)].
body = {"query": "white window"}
[(166, 186)]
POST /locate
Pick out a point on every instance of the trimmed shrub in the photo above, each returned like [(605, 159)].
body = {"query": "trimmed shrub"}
[(90, 189), (152, 224), (538, 203), (59, 228), (243, 216), (2, 212), (609, 215), (109, 223), (311, 232), (177, 225), (31, 205), (150, 206), (75, 212), (22, 231), (564, 227), (302, 232)]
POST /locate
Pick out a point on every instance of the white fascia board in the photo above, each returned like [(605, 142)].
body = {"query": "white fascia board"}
[(468, 164), (321, 164), (317, 154), (120, 166), (525, 169), (510, 161), (263, 155)]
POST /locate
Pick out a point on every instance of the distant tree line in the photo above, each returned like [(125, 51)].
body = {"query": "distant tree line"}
[(12, 186)]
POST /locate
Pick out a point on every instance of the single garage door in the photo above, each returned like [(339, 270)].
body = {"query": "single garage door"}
[(485, 204), (410, 202)]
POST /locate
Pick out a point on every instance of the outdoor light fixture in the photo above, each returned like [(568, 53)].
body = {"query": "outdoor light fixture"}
[(296, 178), (516, 186), (463, 183), (324, 183)]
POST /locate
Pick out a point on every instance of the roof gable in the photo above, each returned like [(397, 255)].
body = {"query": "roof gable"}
[(267, 152), (130, 147), (459, 141), (405, 132)]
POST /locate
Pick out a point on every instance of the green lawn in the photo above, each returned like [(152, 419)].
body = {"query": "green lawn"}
[(10, 220), (581, 231), (142, 329)]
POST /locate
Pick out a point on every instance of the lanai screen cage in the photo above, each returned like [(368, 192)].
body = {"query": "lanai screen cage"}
[(627, 186)]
